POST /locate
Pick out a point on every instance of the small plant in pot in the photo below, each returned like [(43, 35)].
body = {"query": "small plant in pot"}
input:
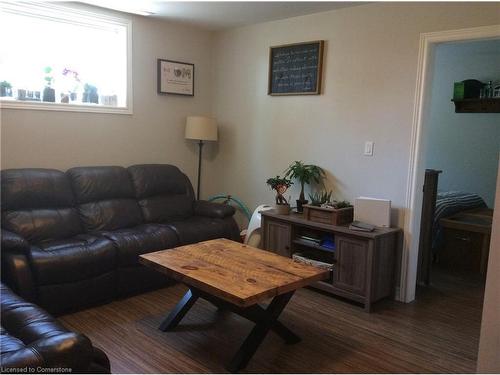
[(305, 174), (280, 185), (49, 94), (341, 204), (71, 85), (320, 198), (5, 88), (90, 94)]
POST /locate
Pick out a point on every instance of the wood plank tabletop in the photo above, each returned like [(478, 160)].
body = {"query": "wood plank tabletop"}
[(237, 273)]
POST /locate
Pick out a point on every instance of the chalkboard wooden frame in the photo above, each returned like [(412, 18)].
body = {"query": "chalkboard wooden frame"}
[(319, 72)]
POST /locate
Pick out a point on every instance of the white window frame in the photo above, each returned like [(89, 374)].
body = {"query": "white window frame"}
[(58, 12)]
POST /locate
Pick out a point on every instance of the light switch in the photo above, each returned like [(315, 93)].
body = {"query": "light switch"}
[(368, 148)]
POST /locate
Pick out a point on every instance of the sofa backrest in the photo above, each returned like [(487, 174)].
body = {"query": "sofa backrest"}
[(105, 197), (164, 193), (38, 204)]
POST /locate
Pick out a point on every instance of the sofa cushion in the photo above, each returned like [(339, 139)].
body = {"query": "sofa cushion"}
[(31, 188), (78, 258), (43, 224), (75, 295), (138, 278), (38, 204), (200, 228), (145, 238), (163, 191), (106, 198)]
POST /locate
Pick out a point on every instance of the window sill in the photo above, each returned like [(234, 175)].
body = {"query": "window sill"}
[(62, 107)]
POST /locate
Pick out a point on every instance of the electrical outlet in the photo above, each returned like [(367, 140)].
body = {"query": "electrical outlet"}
[(368, 148)]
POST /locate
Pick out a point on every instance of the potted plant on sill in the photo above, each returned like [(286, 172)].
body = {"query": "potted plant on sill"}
[(5, 89), (280, 185), (90, 94), (71, 80), (49, 94), (305, 174), (322, 210)]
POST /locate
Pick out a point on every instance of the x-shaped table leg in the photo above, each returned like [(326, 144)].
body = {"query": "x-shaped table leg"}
[(266, 319), (176, 315)]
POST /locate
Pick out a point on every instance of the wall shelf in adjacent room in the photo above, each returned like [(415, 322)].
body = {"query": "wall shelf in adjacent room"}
[(477, 105)]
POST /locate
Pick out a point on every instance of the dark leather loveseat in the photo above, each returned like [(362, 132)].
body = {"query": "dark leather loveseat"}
[(70, 240), (32, 341)]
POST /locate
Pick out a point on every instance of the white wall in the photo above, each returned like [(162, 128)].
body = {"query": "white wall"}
[(464, 146), (369, 84), (153, 134)]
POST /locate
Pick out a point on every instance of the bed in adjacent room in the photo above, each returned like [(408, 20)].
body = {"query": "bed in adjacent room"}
[(449, 203), (455, 229)]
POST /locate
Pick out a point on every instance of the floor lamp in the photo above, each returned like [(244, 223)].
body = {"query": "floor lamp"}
[(201, 129)]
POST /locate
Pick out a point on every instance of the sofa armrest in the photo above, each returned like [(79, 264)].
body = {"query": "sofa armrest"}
[(215, 210), (67, 350), (16, 271), (21, 359), (13, 242), (63, 351), (47, 344)]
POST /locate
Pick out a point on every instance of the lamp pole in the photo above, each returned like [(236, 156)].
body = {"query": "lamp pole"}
[(200, 129), (200, 144)]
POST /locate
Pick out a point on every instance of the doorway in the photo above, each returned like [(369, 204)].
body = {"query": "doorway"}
[(414, 196), (460, 154)]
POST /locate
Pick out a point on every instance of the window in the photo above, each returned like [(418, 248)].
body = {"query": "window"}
[(59, 58)]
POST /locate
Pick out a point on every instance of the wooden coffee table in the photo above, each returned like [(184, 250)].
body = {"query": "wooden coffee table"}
[(235, 277)]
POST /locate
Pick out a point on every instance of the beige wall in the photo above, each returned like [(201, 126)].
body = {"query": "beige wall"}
[(489, 343), (369, 85), (153, 134), (369, 82)]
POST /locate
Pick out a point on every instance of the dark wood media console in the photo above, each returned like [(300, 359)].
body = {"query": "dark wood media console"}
[(362, 263)]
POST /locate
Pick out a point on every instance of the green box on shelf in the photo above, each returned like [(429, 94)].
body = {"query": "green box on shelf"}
[(458, 90), (468, 89)]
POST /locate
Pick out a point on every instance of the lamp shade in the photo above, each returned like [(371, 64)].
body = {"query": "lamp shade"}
[(201, 128)]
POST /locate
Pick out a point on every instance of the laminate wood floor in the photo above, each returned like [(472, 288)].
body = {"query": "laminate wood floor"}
[(439, 332)]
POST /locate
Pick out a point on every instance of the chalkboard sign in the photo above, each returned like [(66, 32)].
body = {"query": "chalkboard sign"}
[(295, 69)]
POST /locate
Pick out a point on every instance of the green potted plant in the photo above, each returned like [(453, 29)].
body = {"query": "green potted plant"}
[(49, 94), (280, 185), (90, 94), (305, 174), (319, 198), (5, 88), (72, 82)]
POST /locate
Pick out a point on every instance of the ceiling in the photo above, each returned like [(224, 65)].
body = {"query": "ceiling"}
[(217, 15)]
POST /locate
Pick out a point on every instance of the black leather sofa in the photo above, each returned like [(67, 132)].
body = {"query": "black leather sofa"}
[(32, 341), (70, 240)]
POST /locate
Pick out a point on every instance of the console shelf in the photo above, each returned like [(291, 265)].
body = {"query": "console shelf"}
[(312, 245), (362, 263)]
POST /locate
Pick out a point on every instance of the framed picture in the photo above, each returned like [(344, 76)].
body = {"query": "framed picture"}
[(296, 69), (175, 77)]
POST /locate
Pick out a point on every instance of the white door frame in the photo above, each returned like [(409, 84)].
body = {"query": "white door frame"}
[(416, 168)]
